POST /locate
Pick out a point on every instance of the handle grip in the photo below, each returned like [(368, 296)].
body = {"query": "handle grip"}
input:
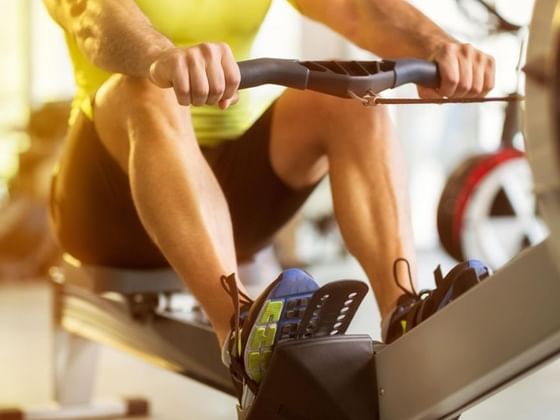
[(338, 78), (419, 72), (276, 71)]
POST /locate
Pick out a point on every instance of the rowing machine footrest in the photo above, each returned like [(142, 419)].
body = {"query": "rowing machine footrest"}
[(328, 378)]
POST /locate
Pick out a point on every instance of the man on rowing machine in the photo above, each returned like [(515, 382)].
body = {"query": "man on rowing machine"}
[(167, 163)]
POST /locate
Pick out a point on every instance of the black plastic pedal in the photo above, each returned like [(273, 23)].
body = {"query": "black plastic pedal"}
[(331, 309)]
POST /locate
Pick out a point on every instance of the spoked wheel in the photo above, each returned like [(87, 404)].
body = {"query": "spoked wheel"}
[(488, 210)]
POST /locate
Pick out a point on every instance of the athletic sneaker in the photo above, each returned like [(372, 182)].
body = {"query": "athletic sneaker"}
[(257, 326), (414, 308)]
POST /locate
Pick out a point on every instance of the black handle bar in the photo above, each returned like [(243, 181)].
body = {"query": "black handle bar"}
[(339, 78)]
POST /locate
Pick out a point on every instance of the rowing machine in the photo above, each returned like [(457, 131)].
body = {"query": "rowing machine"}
[(457, 357)]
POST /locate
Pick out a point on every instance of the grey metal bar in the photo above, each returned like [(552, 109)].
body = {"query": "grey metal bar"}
[(495, 333), (166, 339), (75, 361), (104, 279)]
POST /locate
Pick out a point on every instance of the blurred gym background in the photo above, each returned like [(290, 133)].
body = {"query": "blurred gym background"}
[(36, 88)]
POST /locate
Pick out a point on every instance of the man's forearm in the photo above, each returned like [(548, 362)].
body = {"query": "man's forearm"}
[(398, 29), (388, 28), (114, 35)]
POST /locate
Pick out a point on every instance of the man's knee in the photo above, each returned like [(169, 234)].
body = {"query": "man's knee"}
[(346, 122), (136, 103), (135, 98), (130, 109)]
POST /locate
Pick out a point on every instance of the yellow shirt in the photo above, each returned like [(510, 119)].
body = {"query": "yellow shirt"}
[(185, 23)]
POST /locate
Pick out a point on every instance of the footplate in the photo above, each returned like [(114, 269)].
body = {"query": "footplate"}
[(329, 378), (320, 373), (331, 309)]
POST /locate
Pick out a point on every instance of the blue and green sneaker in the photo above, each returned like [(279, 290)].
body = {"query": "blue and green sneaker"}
[(258, 326), (415, 307)]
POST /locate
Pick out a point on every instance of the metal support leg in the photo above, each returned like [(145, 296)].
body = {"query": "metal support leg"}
[(74, 371), (75, 364)]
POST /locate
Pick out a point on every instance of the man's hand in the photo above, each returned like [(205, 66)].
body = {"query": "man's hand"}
[(465, 72), (204, 74)]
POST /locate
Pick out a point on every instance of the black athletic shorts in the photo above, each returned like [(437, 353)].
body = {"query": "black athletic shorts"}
[(95, 219)]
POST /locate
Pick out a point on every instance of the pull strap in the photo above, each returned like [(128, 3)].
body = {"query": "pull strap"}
[(372, 99)]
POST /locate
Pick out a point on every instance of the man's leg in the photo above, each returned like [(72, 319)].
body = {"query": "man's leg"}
[(313, 134), (175, 193)]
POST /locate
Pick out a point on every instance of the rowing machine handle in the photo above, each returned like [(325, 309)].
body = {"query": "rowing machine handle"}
[(338, 78)]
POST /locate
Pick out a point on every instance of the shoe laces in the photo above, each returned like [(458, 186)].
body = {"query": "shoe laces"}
[(239, 299), (422, 294), (237, 370)]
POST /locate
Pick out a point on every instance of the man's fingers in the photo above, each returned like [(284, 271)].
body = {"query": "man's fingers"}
[(465, 71), (428, 93), (198, 80), (466, 79), (216, 82), (449, 71), (212, 57), (181, 84), (477, 85), (226, 103), (489, 76), (232, 75), (466, 62), (159, 76), (204, 74)]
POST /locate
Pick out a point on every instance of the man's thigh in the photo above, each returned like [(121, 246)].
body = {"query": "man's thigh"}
[(92, 210), (94, 214)]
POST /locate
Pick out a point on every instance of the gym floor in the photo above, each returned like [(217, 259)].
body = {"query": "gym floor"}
[(25, 362)]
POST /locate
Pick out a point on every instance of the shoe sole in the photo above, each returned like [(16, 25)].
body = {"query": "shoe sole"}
[(278, 319)]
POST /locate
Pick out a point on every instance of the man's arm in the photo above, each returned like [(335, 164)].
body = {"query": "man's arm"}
[(114, 35), (117, 37), (395, 28)]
